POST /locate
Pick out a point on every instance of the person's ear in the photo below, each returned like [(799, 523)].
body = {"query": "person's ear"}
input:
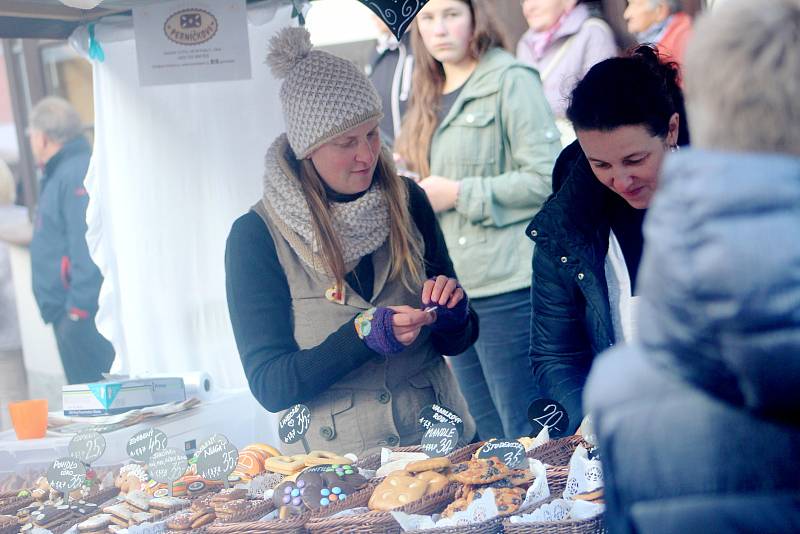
[(674, 129)]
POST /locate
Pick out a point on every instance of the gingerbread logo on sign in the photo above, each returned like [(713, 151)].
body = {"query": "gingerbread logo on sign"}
[(190, 27)]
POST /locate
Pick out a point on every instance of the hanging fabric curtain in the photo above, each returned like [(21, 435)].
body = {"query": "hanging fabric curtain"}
[(173, 167)]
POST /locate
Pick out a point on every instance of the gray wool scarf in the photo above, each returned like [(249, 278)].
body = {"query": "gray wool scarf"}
[(361, 225)]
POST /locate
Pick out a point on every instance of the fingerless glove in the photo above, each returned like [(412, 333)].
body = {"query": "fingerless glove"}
[(374, 327)]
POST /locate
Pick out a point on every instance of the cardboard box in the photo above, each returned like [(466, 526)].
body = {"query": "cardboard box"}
[(117, 396)]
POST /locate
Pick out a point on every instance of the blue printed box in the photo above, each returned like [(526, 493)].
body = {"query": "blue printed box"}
[(118, 396)]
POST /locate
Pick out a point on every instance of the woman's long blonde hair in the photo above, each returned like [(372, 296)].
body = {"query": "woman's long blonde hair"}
[(421, 118), (406, 250)]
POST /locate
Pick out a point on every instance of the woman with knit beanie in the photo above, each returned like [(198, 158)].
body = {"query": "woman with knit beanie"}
[(340, 288), (479, 131)]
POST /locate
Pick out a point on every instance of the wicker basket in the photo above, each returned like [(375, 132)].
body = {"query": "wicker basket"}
[(292, 525), (256, 509), (491, 526), (10, 528), (595, 525), (556, 452), (382, 522)]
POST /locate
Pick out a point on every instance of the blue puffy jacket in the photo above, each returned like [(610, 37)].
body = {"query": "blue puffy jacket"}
[(699, 421), (65, 280)]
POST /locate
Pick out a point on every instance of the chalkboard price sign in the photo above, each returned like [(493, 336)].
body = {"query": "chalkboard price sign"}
[(167, 466), (143, 444), (217, 460), (87, 446), (548, 413), (66, 474), (294, 424), (511, 453), (433, 414), (440, 440)]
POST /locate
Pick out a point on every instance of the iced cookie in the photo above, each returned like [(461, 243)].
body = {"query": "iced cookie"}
[(395, 491)]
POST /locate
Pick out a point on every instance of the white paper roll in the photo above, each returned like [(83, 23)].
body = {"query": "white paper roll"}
[(198, 384)]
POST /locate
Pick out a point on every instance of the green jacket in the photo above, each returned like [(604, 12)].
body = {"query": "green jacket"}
[(500, 142)]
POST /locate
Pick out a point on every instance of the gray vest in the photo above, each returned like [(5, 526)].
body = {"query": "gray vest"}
[(377, 404)]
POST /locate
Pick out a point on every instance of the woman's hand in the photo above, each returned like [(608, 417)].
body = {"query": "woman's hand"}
[(407, 323), (442, 192), (442, 291)]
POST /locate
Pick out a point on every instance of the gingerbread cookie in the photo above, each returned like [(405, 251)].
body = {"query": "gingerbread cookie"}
[(595, 496), (325, 457), (180, 521), (395, 491), (508, 500), (436, 481), (98, 523), (432, 464), (286, 465), (521, 477), (458, 505), (479, 471)]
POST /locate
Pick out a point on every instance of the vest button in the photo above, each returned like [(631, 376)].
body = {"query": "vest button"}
[(563, 259), (327, 433), (534, 233), (392, 441), (384, 397), (580, 276)]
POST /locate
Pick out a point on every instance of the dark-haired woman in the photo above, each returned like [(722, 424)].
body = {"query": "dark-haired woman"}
[(481, 134), (628, 114)]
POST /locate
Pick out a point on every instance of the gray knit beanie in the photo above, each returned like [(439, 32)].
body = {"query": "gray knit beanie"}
[(322, 95)]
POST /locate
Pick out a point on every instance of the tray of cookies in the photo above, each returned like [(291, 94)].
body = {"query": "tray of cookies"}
[(423, 487), (11, 501), (58, 515), (228, 506), (9, 524)]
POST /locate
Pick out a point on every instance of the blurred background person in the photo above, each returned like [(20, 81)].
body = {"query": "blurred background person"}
[(481, 134), (390, 67), (628, 114), (563, 41), (12, 366), (699, 420), (662, 23), (66, 282)]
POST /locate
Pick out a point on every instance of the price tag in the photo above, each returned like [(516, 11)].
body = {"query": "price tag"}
[(440, 440), (167, 466), (143, 444), (433, 414), (66, 474), (294, 424), (510, 452), (87, 446), (217, 460), (548, 413)]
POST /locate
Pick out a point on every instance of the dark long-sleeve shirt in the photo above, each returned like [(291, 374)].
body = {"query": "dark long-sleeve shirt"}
[(260, 305)]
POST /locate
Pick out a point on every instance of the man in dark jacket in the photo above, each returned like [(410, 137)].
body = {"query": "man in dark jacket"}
[(66, 282), (389, 69), (699, 420)]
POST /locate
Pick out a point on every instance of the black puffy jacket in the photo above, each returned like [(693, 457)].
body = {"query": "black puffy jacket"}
[(571, 317)]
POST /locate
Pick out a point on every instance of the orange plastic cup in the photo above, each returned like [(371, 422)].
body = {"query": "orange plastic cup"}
[(29, 418)]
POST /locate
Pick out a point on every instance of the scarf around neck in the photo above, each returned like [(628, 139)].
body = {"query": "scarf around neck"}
[(362, 225)]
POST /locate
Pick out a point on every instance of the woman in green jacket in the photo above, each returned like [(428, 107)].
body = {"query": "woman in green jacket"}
[(481, 134)]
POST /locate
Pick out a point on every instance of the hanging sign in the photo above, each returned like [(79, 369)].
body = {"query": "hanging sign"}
[(550, 414), (66, 474), (166, 466), (510, 452), (217, 460), (433, 414), (294, 424), (440, 440), (191, 41), (87, 446), (143, 444)]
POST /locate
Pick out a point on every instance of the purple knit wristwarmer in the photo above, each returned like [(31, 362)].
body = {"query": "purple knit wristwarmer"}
[(452, 319), (374, 328)]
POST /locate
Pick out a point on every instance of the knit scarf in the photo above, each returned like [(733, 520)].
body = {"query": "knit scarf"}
[(361, 225)]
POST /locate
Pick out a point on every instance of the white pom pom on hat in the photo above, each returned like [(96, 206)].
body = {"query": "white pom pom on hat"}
[(322, 95)]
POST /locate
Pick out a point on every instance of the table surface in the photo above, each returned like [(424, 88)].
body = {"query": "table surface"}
[(233, 413)]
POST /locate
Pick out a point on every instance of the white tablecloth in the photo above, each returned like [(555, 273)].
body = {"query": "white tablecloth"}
[(235, 414)]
